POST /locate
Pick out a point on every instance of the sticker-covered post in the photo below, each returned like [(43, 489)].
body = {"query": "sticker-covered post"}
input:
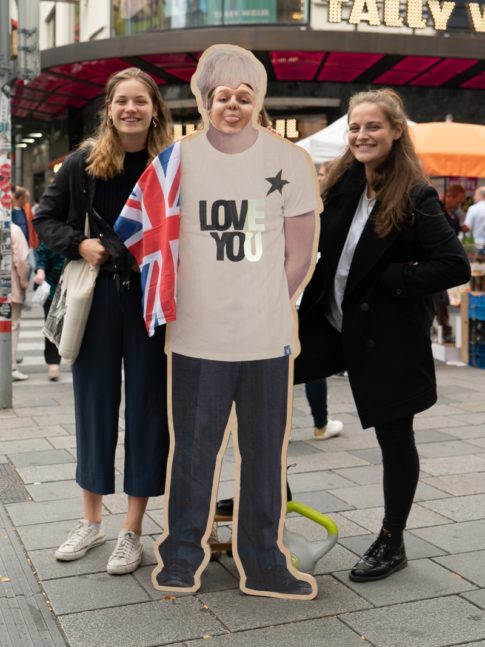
[(5, 213)]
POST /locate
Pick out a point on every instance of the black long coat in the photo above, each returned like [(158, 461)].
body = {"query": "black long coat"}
[(387, 308)]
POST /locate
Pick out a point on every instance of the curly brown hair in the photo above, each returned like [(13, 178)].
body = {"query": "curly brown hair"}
[(393, 180), (106, 155)]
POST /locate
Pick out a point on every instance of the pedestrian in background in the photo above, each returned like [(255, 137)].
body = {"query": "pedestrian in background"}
[(49, 265), (475, 220), (453, 200), (317, 390), (29, 213), (22, 216), (19, 215), (20, 282), (97, 179), (441, 301), (386, 247)]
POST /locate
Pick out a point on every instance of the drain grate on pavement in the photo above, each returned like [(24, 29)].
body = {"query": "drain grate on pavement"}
[(11, 487)]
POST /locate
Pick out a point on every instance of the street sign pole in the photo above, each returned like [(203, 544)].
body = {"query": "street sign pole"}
[(28, 68), (5, 211)]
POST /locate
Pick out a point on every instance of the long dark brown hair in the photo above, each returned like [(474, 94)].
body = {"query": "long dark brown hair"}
[(106, 155), (393, 180)]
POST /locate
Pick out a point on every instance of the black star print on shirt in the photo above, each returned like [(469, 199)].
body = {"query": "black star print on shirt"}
[(277, 183)]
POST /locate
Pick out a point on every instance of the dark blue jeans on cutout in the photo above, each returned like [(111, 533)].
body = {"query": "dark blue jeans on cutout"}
[(203, 392)]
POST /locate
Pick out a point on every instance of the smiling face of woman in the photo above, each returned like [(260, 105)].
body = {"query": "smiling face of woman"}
[(371, 135), (131, 110), (232, 108)]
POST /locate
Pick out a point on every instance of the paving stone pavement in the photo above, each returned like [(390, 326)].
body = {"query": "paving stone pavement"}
[(438, 601)]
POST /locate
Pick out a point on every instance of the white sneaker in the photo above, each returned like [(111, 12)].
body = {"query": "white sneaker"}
[(333, 428), (81, 538), (127, 554), (17, 376)]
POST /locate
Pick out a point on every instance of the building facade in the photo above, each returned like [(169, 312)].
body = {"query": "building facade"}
[(316, 53)]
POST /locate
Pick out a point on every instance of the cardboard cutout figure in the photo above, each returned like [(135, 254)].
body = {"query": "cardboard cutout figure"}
[(246, 201)]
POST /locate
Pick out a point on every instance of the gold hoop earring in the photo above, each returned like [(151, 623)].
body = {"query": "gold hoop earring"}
[(155, 122)]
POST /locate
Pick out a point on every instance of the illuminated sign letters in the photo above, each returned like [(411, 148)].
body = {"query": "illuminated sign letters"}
[(439, 13), (476, 14)]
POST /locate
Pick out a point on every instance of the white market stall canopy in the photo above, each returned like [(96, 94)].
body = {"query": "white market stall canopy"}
[(327, 144)]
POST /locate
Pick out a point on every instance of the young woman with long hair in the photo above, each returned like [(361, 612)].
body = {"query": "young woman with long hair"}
[(386, 247), (96, 180)]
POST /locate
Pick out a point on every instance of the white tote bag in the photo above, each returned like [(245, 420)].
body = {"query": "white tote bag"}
[(69, 312)]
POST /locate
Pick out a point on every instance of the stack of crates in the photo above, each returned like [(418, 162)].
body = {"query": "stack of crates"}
[(476, 335)]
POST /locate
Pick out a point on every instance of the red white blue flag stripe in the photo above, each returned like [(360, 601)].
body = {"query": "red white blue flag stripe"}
[(149, 225)]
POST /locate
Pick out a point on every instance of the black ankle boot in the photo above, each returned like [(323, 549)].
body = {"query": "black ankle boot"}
[(384, 557)]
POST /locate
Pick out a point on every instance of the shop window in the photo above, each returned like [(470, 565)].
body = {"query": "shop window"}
[(51, 28), (133, 16), (73, 26)]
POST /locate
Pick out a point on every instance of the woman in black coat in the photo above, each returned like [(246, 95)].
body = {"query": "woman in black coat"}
[(386, 247)]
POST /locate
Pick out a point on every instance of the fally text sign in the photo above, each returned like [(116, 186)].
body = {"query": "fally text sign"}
[(390, 13)]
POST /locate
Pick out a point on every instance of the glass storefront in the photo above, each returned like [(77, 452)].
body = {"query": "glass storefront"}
[(134, 16)]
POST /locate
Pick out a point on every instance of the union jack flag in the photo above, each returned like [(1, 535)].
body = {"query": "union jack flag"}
[(149, 226)]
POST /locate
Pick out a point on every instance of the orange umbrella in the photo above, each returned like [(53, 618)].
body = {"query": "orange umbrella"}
[(450, 148)]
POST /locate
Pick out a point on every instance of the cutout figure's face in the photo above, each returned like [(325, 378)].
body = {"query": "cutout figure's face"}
[(371, 136), (131, 108), (232, 108)]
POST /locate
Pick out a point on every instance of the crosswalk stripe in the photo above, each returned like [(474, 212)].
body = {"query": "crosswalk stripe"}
[(30, 361), (31, 349), (31, 342), (31, 323)]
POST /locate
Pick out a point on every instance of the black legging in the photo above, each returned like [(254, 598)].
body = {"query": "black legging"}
[(401, 470)]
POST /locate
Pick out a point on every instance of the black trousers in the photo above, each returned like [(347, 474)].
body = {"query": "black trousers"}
[(203, 392), (116, 338), (316, 394), (401, 470)]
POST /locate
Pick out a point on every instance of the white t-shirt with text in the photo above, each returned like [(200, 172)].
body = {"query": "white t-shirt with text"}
[(232, 293)]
